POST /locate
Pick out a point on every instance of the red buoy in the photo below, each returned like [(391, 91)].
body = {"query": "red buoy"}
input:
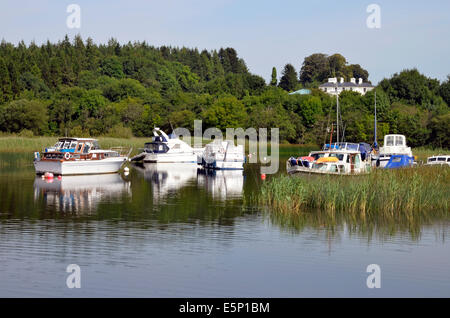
[(263, 176)]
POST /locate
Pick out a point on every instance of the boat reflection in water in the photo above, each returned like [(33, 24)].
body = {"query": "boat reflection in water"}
[(80, 193), (167, 178), (222, 184)]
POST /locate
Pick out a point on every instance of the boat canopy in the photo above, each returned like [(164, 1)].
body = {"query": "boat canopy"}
[(400, 161), (327, 159)]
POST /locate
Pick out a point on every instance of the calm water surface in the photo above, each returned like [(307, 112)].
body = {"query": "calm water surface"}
[(171, 231)]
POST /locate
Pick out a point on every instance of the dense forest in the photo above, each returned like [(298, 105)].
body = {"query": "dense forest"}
[(122, 90)]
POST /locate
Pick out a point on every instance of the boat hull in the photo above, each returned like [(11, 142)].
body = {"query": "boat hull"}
[(224, 165), (79, 167), (170, 158)]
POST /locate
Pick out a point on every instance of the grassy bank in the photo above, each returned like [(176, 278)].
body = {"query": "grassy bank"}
[(386, 193), (24, 144)]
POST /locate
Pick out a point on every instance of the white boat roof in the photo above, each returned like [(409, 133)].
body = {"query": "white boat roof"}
[(77, 139)]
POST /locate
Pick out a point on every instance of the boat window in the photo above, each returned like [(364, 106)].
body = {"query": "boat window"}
[(317, 155), (357, 161), (397, 159), (156, 147), (59, 144), (66, 145), (448, 159), (95, 145), (333, 168), (441, 159), (80, 146), (389, 141), (73, 144), (399, 141), (340, 156), (87, 147), (431, 159)]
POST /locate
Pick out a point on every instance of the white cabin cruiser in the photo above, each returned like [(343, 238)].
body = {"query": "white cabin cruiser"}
[(441, 160), (223, 155), (337, 159), (165, 149), (393, 145), (78, 156)]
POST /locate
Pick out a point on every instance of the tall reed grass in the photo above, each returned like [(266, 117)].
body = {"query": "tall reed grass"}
[(386, 193)]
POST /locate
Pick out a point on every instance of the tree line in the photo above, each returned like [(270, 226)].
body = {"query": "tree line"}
[(82, 88)]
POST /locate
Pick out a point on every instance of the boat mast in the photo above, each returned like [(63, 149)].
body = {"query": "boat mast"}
[(337, 117), (375, 123)]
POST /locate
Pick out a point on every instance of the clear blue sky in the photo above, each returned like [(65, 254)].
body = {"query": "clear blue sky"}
[(265, 33)]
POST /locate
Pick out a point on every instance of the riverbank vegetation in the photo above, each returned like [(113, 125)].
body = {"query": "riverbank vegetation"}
[(390, 194), (124, 90)]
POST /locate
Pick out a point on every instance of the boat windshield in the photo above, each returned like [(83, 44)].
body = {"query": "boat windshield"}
[(340, 156), (399, 141), (389, 141), (156, 147), (317, 155)]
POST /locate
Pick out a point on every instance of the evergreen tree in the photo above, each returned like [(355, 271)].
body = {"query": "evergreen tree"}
[(274, 80), (288, 81), (5, 83)]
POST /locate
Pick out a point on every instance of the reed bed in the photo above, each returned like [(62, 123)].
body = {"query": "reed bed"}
[(384, 193)]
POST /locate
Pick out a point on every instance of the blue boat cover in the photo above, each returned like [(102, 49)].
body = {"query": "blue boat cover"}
[(399, 161)]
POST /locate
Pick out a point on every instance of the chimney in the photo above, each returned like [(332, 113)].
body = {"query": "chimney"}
[(353, 80), (341, 80), (332, 80), (360, 81)]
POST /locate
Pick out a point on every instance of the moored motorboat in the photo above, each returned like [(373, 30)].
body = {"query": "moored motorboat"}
[(442, 160), (167, 149), (223, 155), (393, 145), (78, 156), (335, 159)]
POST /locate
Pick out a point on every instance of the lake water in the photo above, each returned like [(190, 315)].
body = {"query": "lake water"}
[(171, 231)]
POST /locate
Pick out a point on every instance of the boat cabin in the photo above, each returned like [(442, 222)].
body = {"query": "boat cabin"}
[(439, 160), (77, 149)]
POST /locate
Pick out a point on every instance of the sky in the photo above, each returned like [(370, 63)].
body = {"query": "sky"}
[(413, 34)]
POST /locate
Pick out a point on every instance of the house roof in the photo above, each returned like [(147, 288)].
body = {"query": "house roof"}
[(302, 91), (346, 84)]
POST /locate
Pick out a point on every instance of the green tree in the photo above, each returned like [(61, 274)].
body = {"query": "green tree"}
[(288, 81), (274, 79), (24, 114), (315, 68), (5, 83)]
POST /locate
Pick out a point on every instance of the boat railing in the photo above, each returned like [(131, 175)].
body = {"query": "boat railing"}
[(342, 146), (122, 151)]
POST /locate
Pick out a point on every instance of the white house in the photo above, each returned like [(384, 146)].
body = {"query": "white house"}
[(334, 87)]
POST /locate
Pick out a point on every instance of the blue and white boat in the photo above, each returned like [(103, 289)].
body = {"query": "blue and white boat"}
[(394, 145)]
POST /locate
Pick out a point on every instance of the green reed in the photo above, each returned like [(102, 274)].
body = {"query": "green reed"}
[(387, 193)]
